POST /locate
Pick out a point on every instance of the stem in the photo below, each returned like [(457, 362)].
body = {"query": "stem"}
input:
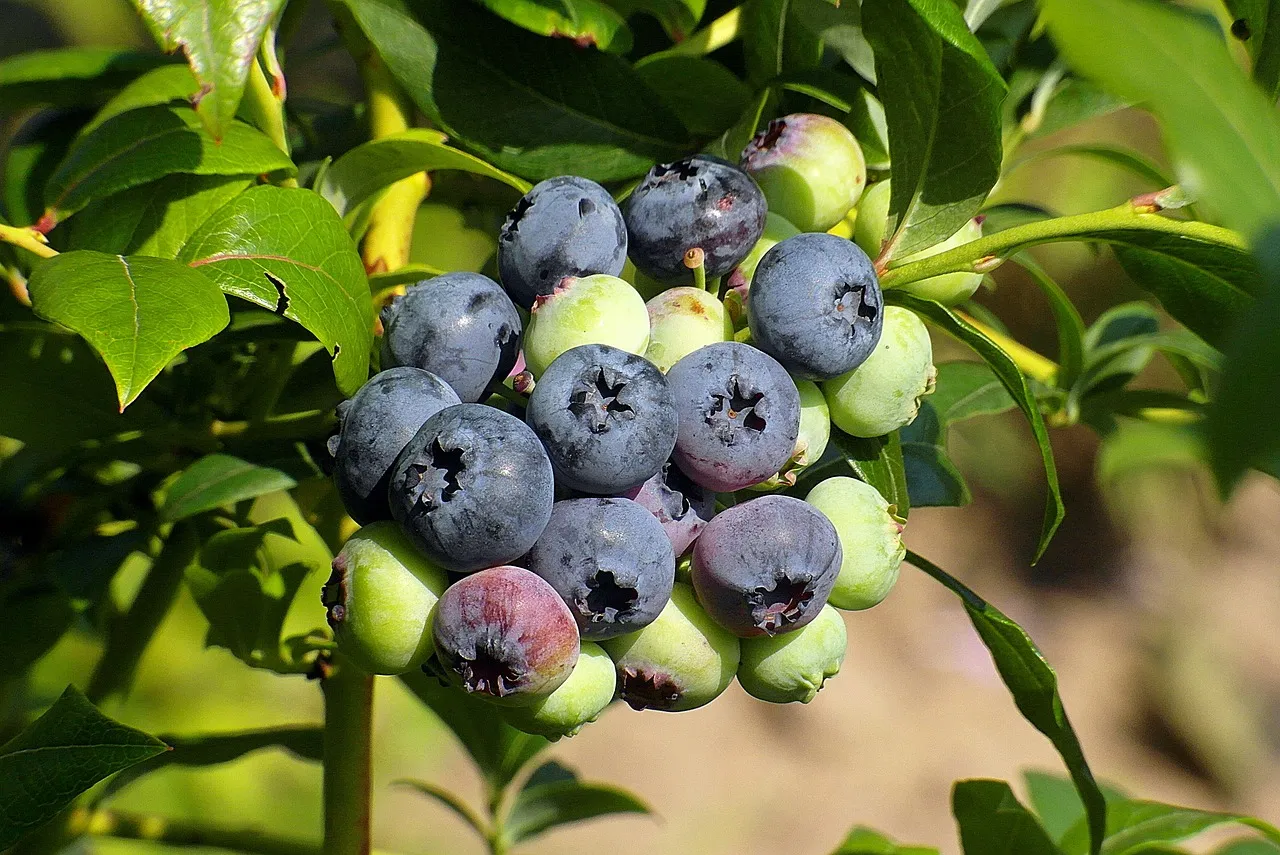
[(348, 714), (390, 234), (130, 634), (985, 254), (696, 260), (30, 239), (1028, 361), (173, 832)]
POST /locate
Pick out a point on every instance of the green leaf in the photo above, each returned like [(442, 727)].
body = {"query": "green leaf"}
[(878, 461), (1260, 32), (1249, 847), (407, 275), (362, 172), (705, 95), (1056, 802), (498, 749), (1133, 826), (1073, 102), (1034, 687), (1068, 320), (34, 614), (452, 802), (60, 755), (774, 42), (1222, 132), (865, 841), (34, 153), (1136, 447), (942, 100), (220, 39), (153, 219), (839, 27), (150, 143), (74, 75), (1014, 381), (539, 806), (536, 107), (288, 251), (163, 85), (677, 17), (731, 143), (218, 480), (137, 312), (991, 819), (587, 23)]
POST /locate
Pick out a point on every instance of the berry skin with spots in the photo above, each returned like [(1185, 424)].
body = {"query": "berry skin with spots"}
[(739, 415), (815, 305), (680, 505), (564, 226), (606, 417), (681, 320), (870, 537), (596, 309), (460, 326), (505, 635), (681, 661), (697, 202), (793, 668), (578, 702), (380, 598), (766, 566), (374, 427), (473, 488), (610, 561)]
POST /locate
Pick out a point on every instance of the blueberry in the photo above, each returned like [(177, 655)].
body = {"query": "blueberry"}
[(565, 226), (606, 417), (766, 566), (610, 561), (595, 309), (681, 661), (681, 320), (578, 702), (793, 667), (379, 600), (506, 635), (776, 230), (701, 202), (883, 394), (870, 533), (375, 426), (460, 326), (473, 488), (873, 218), (739, 415), (679, 504), (810, 168), (816, 306), (815, 433)]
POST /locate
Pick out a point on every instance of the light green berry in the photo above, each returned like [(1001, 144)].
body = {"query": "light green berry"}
[(872, 218), (870, 534), (578, 702), (815, 433), (776, 230), (793, 666), (810, 167), (681, 320), (380, 599), (599, 309), (883, 393)]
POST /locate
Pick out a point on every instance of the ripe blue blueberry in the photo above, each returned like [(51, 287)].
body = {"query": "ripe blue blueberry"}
[(682, 506), (766, 566), (375, 426), (473, 488), (697, 202), (505, 635), (609, 560), (739, 415), (460, 326), (816, 305), (606, 417), (565, 226)]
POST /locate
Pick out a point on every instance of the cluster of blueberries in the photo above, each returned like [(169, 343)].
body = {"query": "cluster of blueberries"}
[(605, 525)]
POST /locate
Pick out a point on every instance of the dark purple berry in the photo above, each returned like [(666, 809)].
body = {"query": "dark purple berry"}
[(679, 504)]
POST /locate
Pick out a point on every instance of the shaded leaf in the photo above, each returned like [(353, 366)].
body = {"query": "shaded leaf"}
[(368, 168), (1257, 24), (864, 841), (705, 95), (217, 480), (543, 805), (838, 26), (677, 17), (991, 819), (1134, 826), (1034, 686), (1249, 847), (1075, 101), (587, 23), (1056, 802), (288, 251), (220, 39), (877, 461), (33, 616), (72, 75), (1127, 159), (942, 100), (137, 312), (1066, 317), (34, 154), (163, 85), (60, 755), (150, 143)]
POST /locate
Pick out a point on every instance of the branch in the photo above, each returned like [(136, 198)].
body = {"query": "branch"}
[(29, 239)]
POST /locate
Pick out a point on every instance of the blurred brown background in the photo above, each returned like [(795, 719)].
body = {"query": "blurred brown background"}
[(1157, 605)]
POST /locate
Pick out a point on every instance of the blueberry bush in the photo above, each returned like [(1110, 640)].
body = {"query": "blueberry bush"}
[(660, 441)]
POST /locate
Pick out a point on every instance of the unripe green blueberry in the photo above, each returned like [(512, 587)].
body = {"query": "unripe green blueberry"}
[(647, 286), (599, 309), (871, 536), (776, 230), (682, 320), (792, 667), (810, 168), (681, 661), (815, 433), (883, 393), (872, 218), (578, 702), (380, 599)]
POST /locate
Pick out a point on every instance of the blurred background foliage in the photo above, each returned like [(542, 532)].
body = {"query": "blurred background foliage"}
[(1156, 603)]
